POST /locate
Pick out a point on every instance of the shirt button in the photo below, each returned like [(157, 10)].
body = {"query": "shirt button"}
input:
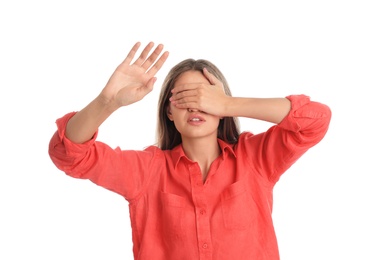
[(202, 211), (204, 245)]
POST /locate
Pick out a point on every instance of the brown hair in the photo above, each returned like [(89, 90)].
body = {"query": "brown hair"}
[(167, 135)]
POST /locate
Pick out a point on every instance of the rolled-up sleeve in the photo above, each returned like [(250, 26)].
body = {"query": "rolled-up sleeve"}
[(310, 118), (275, 150), (125, 172)]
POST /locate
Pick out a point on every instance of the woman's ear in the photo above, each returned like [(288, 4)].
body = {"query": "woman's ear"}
[(169, 113)]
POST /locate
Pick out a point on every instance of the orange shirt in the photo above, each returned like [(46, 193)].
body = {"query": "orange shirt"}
[(174, 215)]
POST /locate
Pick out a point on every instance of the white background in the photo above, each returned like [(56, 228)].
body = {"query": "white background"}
[(56, 56)]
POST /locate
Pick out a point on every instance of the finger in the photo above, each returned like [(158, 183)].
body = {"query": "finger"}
[(132, 53), (187, 100), (187, 104), (149, 85), (144, 90), (152, 58), (183, 94), (141, 59), (157, 66), (184, 87)]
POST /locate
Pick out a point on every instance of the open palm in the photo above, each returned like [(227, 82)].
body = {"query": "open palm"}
[(131, 82)]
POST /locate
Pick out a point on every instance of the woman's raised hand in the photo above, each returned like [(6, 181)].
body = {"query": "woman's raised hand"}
[(132, 81)]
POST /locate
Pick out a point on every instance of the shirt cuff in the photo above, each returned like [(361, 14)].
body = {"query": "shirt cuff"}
[(71, 147), (289, 122)]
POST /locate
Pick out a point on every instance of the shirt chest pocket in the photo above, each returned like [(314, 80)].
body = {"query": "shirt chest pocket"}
[(237, 207), (176, 216)]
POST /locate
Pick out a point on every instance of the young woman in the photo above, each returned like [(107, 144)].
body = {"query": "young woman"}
[(205, 190)]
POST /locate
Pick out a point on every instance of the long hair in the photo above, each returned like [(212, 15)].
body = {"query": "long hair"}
[(167, 135)]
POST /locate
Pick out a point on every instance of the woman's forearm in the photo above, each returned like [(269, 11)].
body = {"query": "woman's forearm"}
[(267, 109), (83, 125)]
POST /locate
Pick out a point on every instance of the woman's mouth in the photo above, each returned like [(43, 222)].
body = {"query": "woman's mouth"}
[(196, 120)]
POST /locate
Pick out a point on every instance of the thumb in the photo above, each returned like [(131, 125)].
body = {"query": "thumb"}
[(211, 78)]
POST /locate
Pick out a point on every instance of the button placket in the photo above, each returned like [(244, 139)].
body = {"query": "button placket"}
[(202, 218), (195, 175)]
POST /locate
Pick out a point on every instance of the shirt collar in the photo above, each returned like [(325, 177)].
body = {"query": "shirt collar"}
[(177, 152)]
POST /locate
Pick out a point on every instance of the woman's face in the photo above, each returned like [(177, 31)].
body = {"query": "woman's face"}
[(192, 123)]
